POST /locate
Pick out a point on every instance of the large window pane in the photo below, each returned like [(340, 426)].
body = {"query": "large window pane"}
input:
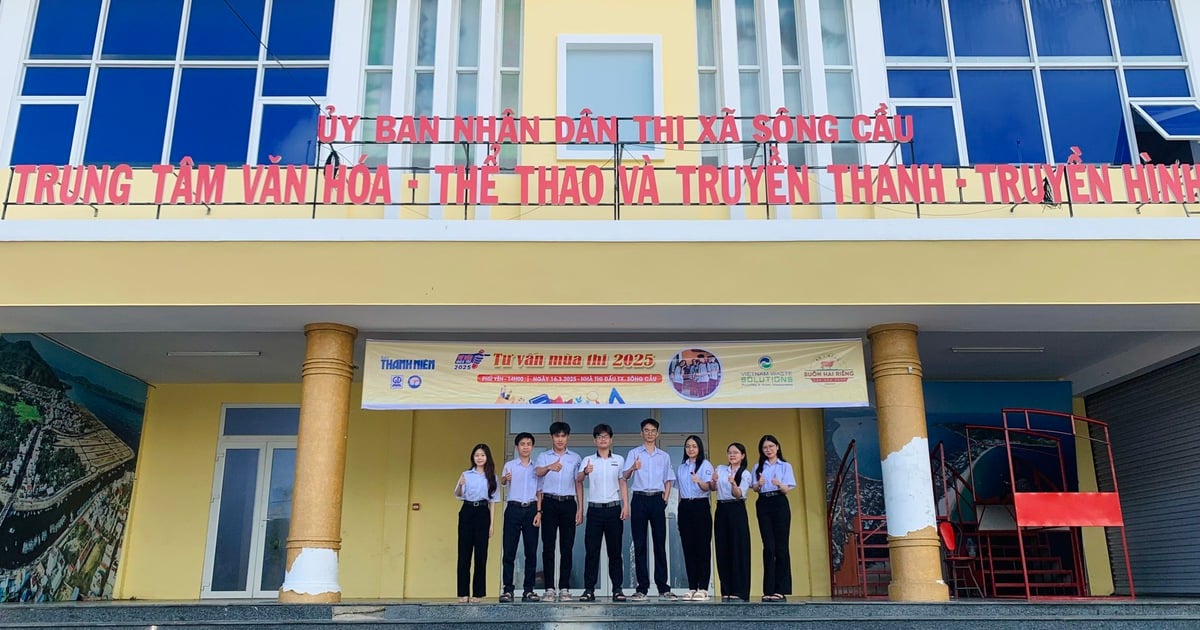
[(1175, 120), (235, 520), (123, 95), (611, 81), (142, 29), (839, 87), (747, 32), (529, 421), (279, 518), (793, 99), (750, 90), (295, 81), (913, 28), (378, 101), (1157, 83), (301, 29), (262, 421), (65, 29), (289, 131), (1084, 109), (203, 91), (920, 84), (989, 28), (216, 30), (382, 44), (44, 134), (835, 37), (1070, 28), (788, 36), (55, 81), (1146, 28), (1001, 130), (934, 138), (426, 33), (511, 53), (468, 33), (465, 94), (623, 421), (684, 421)]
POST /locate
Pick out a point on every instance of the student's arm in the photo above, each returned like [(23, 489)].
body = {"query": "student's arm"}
[(541, 470), (537, 517), (788, 480), (579, 502), (624, 497), (491, 518)]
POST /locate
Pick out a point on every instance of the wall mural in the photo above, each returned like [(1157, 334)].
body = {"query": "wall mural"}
[(69, 433)]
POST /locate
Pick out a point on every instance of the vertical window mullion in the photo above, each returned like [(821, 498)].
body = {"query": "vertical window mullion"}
[(173, 103), (1038, 87)]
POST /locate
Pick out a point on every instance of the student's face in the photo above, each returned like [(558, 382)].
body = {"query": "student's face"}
[(770, 449), (603, 441), (735, 457), (525, 447), (649, 433), (480, 457), (560, 440), (691, 449)]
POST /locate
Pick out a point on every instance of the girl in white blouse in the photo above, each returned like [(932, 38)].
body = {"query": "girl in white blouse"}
[(732, 482), (773, 478), (479, 490)]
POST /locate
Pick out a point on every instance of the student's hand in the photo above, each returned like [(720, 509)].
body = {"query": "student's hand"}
[(624, 511), (579, 517), (637, 464), (462, 480), (537, 519), (731, 481), (775, 482), (490, 527), (587, 470), (507, 476), (557, 465), (666, 497), (696, 479), (714, 479)]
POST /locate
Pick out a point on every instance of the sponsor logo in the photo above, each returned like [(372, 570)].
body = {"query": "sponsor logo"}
[(397, 382), (767, 378), (414, 381), (824, 370), (389, 364), (764, 363), (469, 360)]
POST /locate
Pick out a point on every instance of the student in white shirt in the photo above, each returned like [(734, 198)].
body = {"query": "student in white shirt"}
[(479, 491), (521, 519), (608, 507), (773, 478), (650, 475), (561, 507), (694, 481), (732, 528)]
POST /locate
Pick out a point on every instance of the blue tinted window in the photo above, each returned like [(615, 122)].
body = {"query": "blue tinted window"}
[(934, 139), (1146, 28), (1065, 28), (295, 81), (1084, 109), (988, 28), (920, 84), (1000, 116), (142, 29), (55, 82), (301, 29), (44, 134), (129, 116), (212, 118), (1157, 83), (913, 28), (1176, 120), (262, 420), (217, 32), (289, 131), (65, 29)]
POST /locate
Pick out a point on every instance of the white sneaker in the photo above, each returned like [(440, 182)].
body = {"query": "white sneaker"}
[(700, 596), (687, 597), (550, 596)]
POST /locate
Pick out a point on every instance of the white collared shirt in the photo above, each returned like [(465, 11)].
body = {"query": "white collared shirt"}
[(603, 485), (560, 482), (524, 484)]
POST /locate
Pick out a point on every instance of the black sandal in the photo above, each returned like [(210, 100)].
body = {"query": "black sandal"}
[(506, 598), (587, 596), (770, 599), (619, 597)]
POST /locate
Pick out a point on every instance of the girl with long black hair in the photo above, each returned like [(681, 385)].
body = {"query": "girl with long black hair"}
[(694, 480), (732, 483), (773, 478), (478, 489)]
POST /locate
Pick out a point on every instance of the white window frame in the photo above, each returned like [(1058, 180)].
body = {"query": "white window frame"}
[(611, 43)]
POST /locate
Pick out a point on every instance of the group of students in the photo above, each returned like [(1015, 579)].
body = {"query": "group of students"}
[(548, 493)]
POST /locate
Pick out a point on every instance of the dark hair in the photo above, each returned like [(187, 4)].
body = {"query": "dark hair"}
[(737, 477), (649, 421), (762, 460), (602, 428), (560, 427), (521, 436), (699, 451), (489, 466)]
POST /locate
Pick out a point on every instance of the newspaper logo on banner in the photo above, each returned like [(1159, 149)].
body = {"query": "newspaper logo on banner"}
[(825, 371), (470, 360)]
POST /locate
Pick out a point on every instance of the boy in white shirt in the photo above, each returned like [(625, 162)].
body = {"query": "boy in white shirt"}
[(608, 506)]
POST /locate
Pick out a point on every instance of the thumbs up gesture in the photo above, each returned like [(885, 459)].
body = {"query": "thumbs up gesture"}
[(462, 480), (696, 479), (587, 470), (714, 479), (637, 464), (557, 465), (507, 476)]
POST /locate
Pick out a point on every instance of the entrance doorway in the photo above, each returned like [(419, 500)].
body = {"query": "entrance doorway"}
[(252, 503), (676, 425)]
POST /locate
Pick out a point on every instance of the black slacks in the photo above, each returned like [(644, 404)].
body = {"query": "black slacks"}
[(775, 524), (603, 522), (695, 533), (558, 517), (732, 531), (473, 524), (649, 509), (518, 526)]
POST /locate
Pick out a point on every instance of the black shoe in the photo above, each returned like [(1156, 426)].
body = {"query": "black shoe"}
[(506, 598), (618, 596), (530, 596), (587, 596)]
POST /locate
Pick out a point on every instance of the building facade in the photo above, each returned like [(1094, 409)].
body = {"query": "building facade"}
[(223, 200)]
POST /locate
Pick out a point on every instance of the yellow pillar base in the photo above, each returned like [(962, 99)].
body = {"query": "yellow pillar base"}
[(917, 568), (292, 597)]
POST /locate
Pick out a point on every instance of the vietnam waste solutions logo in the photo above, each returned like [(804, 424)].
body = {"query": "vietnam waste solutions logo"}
[(766, 375)]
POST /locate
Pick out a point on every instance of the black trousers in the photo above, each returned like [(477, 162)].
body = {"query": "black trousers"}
[(558, 517), (695, 533), (649, 510), (473, 524), (732, 530), (518, 526), (775, 524), (603, 522)]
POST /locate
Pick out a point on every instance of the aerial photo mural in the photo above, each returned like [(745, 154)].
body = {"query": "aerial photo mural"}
[(69, 432)]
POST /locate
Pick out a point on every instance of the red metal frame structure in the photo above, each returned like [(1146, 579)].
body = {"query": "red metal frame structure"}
[(864, 545)]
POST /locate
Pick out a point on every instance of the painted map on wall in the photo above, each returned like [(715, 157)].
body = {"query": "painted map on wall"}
[(69, 432)]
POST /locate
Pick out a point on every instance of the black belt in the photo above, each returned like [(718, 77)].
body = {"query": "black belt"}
[(648, 493), (559, 497), (705, 499), (773, 493), (523, 504), (605, 505), (729, 501), (475, 503)]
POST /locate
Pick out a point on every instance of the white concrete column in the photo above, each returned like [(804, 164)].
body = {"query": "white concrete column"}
[(818, 97), (346, 87), (402, 77), (487, 92), (731, 95)]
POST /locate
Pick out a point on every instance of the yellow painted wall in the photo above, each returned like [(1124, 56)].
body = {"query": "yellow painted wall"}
[(801, 437), (1095, 546)]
